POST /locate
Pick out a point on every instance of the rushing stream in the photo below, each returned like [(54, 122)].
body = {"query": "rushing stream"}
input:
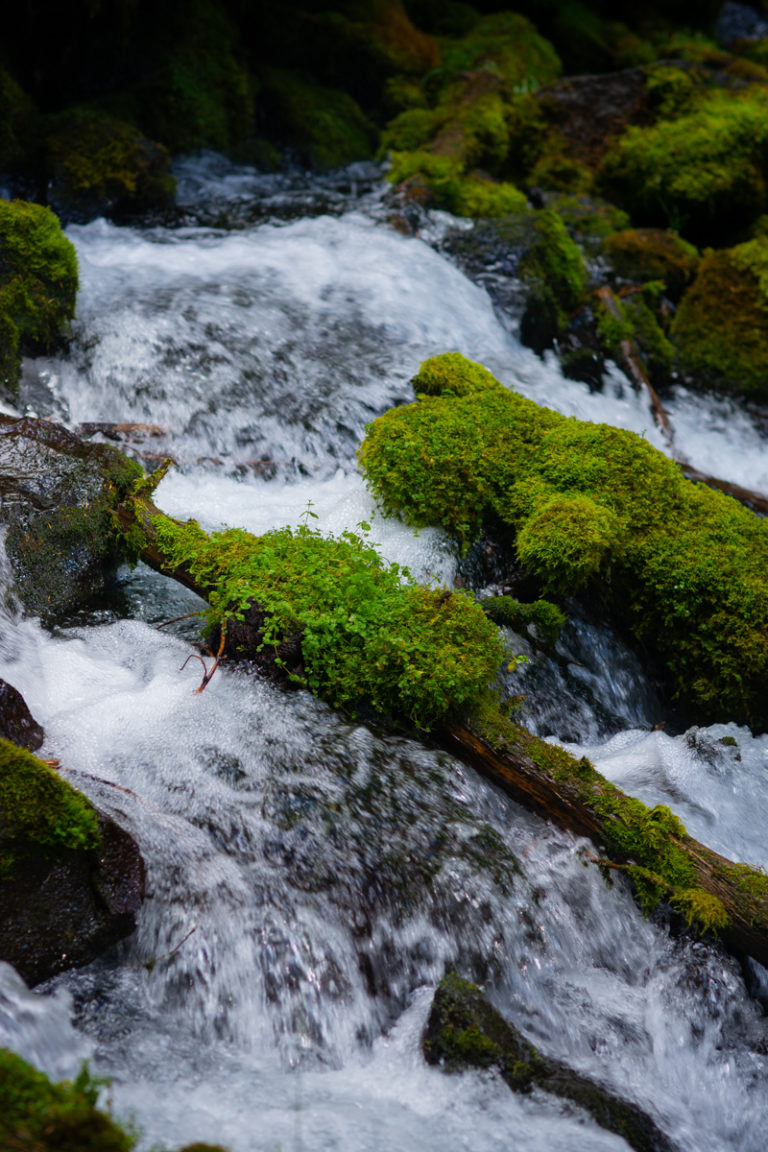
[(311, 879)]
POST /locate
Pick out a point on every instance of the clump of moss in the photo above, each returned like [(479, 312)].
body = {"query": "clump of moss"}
[(43, 1116), (324, 127), (545, 617), (593, 508), (102, 165), (38, 282), (368, 634), (39, 806), (466, 124), (553, 269), (651, 254), (638, 317), (720, 330), (700, 173)]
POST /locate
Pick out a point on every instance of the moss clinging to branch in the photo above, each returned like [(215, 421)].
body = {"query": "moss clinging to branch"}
[(595, 510), (364, 630)]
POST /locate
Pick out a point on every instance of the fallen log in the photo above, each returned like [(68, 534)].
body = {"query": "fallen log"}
[(651, 846)]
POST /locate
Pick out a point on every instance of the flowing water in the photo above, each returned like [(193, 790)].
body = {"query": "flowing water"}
[(310, 878)]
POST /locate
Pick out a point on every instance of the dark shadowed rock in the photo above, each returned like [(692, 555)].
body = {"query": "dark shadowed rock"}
[(56, 498), (17, 723), (465, 1031)]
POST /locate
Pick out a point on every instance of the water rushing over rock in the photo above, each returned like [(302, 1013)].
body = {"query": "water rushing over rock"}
[(310, 879)]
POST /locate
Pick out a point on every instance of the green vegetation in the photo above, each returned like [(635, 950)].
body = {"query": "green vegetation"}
[(325, 127), (594, 510), (553, 269), (38, 282), (38, 806), (720, 329), (40, 1116), (650, 254), (102, 164), (368, 633), (700, 173), (544, 616)]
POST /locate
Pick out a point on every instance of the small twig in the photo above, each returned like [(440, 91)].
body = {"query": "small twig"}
[(216, 661), (150, 964), (186, 616)]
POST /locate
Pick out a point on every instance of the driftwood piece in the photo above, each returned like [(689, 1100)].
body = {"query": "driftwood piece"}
[(569, 792)]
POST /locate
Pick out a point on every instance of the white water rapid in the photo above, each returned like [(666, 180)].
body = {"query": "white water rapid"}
[(310, 879)]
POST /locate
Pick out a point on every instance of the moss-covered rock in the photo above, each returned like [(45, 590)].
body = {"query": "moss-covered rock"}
[(41, 1116), (596, 510), (70, 880), (101, 166), (38, 283), (465, 1031), (642, 254), (57, 494), (553, 269), (323, 127), (19, 130), (720, 330), (701, 173)]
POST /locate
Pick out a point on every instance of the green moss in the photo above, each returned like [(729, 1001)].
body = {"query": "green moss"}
[(643, 254), (588, 218), (368, 633), (553, 269), (671, 91), (19, 127), (41, 1116), (324, 126), (38, 805), (701, 173), (720, 330), (681, 567), (505, 43), (543, 615), (102, 164), (38, 281)]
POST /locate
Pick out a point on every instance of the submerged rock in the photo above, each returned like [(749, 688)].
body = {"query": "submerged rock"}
[(465, 1031), (56, 497), (17, 723)]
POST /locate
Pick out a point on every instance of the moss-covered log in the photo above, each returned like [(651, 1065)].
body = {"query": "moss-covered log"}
[(464, 1030), (593, 511), (434, 670)]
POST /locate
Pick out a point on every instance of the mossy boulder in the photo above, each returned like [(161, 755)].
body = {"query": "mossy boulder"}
[(594, 511), (71, 881), (701, 173), (720, 330), (554, 271), (321, 127), (19, 131), (102, 166), (465, 1031), (38, 284), (57, 495), (639, 255)]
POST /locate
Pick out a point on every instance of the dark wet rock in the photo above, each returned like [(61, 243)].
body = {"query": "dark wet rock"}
[(61, 908), (590, 111), (17, 723), (465, 1031), (56, 497)]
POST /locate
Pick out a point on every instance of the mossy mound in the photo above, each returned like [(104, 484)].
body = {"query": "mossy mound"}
[(465, 1031), (332, 616), (701, 173), (642, 254), (38, 283), (37, 805), (456, 147), (41, 1116), (102, 166), (720, 330), (597, 511), (553, 269), (323, 127), (38, 1114)]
